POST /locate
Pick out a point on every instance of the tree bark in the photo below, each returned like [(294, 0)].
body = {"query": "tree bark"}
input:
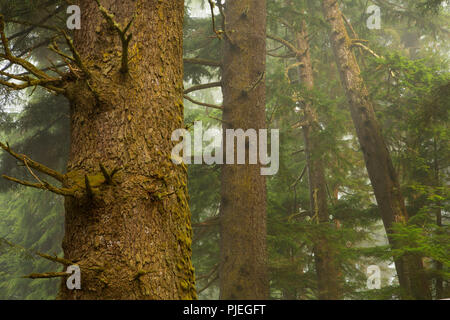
[(243, 270), (377, 158), (328, 275), (131, 236)]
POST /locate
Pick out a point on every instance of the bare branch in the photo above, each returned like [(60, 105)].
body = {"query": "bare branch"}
[(55, 259), (203, 86), (205, 62), (43, 186), (46, 275), (286, 43), (202, 103), (33, 164), (300, 177), (208, 284)]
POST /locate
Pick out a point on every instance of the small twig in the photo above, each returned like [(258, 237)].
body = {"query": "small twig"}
[(32, 173), (108, 178), (89, 191), (299, 178)]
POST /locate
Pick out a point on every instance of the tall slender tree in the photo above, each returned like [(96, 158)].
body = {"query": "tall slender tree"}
[(324, 255), (243, 262), (377, 158)]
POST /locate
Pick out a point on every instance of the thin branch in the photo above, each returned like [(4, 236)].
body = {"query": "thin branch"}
[(210, 222), (362, 46), (286, 43), (202, 103), (286, 56), (213, 18), (33, 164), (46, 275), (42, 186), (55, 258), (205, 62), (299, 178), (203, 86), (209, 274), (208, 284)]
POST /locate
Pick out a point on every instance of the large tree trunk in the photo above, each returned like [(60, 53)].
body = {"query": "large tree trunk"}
[(328, 275), (378, 161), (131, 237), (243, 270)]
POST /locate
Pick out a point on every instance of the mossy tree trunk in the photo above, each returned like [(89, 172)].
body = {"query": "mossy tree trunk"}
[(132, 235), (243, 269), (377, 158), (327, 268)]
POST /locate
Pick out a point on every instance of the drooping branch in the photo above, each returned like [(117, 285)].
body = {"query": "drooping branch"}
[(124, 38), (208, 105), (203, 86)]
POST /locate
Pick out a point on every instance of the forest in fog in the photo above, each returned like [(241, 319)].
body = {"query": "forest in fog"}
[(224, 149)]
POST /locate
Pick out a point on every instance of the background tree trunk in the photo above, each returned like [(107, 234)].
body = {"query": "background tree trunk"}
[(328, 276), (132, 237), (377, 158), (243, 269)]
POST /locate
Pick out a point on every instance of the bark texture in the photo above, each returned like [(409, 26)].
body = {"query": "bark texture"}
[(377, 158), (243, 273), (328, 275), (131, 236)]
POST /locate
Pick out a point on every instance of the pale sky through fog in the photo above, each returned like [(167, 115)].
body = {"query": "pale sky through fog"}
[(198, 12)]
